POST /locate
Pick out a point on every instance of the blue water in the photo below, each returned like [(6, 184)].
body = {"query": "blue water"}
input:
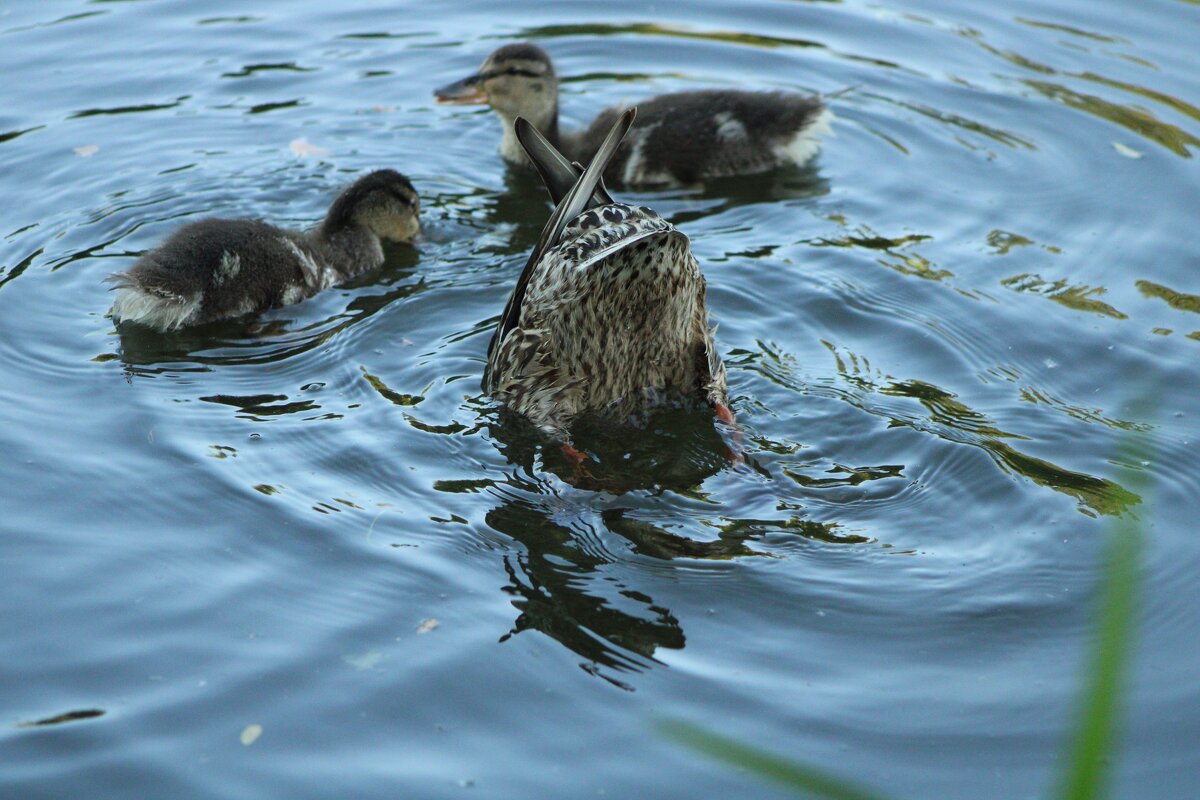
[(940, 338)]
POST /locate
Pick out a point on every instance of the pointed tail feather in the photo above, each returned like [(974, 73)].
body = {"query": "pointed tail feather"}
[(570, 206), (558, 174)]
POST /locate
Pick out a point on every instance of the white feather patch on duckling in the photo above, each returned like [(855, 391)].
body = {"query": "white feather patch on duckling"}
[(308, 266), (228, 268), (636, 171), (133, 304), (805, 145), (729, 128), (293, 294)]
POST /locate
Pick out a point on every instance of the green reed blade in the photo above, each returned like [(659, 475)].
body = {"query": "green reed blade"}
[(765, 765), (1086, 768)]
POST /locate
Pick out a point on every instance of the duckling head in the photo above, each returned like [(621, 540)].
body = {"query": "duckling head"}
[(383, 202), (517, 80)]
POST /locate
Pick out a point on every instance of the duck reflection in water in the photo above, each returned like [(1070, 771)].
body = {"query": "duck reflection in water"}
[(573, 583)]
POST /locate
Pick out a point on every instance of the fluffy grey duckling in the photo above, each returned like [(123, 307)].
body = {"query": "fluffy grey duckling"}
[(609, 310), (215, 269), (679, 138)]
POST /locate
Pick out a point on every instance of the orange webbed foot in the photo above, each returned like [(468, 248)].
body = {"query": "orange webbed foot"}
[(573, 455), (724, 414), (578, 460)]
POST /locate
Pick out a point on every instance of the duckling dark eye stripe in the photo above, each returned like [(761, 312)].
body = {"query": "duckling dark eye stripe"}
[(496, 73)]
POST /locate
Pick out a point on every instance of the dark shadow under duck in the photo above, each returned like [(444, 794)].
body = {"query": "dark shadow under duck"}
[(610, 310), (216, 269), (679, 138)]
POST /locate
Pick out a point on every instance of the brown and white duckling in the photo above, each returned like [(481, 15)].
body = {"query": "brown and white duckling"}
[(679, 138), (215, 269), (609, 310)]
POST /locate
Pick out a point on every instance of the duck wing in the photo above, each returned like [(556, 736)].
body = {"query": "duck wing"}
[(582, 193)]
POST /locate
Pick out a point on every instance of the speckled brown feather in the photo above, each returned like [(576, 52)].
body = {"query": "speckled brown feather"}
[(611, 313)]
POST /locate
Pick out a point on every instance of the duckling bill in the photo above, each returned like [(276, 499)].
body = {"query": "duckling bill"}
[(610, 309), (216, 269), (679, 138)]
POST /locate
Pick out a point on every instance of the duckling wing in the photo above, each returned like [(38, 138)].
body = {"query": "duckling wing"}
[(684, 137)]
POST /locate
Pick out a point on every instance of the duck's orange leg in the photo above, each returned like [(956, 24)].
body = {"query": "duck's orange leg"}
[(725, 414), (574, 456)]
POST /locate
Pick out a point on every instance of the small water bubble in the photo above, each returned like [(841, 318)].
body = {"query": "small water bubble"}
[(1050, 363), (254, 437)]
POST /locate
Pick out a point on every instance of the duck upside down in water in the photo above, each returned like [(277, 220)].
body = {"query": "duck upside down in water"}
[(216, 269), (609, 309), (679, 138)]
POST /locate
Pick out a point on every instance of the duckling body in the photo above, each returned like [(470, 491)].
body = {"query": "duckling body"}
[(217, 269), (609, 312), (679, 138)]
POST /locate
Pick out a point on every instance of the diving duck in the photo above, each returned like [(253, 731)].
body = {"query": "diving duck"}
[(680, 138), (609, 310), (215, 269)]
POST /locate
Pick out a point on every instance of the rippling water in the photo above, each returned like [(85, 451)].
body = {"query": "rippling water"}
[(315, 523)]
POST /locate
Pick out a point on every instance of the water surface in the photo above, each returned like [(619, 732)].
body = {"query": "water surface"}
[(314, 522)]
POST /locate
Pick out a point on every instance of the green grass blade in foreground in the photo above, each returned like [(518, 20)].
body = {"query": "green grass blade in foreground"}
[(1085, 776), (766, 765)]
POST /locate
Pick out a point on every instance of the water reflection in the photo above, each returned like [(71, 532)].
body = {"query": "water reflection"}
[(94, 112), (901, 256), (652, 29), (952, 420), (643, 496), (1138, 120), (1078, 298), (1134, 118), (1180, 301), (1004, 137), (559, 589)]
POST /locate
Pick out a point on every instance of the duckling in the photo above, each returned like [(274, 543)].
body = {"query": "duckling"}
[(215, 269), (610, 309), (680, 138)]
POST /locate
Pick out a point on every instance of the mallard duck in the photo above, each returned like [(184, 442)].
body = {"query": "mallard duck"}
[(609, 310), (216, 269), (680, 138)]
